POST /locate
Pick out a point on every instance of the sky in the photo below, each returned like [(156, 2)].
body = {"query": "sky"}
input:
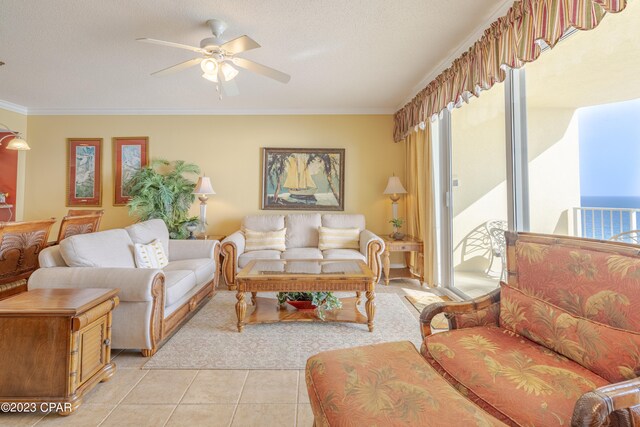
[(610, 150)]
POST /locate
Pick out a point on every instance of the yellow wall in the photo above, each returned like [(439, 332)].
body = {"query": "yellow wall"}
[(228, 149), (17, 122)]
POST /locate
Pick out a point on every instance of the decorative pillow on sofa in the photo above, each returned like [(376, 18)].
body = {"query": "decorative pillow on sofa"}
[(265, 240), (339, 238), (151, 255), (609, 352)]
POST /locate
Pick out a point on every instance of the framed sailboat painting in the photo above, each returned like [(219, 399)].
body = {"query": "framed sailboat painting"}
[(303, 179)]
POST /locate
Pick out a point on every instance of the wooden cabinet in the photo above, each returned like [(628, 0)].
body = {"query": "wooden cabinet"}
[(55, 345)]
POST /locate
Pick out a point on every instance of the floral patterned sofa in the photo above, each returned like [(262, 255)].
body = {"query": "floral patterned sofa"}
[(559, 344)]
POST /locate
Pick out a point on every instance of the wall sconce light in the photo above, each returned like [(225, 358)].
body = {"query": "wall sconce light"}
[(17, 143)]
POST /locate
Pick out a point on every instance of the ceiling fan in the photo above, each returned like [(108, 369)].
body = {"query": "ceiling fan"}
[(218, 59)]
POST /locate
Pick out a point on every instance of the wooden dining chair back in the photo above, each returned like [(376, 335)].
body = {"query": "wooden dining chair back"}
[(20, 244), (79, 212), (79, 224)]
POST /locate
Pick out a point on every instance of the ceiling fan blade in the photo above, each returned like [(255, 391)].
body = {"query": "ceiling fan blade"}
[(171, 44), (178, 67), (262, 69), (241, 44)]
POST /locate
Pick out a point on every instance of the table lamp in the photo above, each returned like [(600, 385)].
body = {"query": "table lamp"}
[(395, 189), (203, 189)]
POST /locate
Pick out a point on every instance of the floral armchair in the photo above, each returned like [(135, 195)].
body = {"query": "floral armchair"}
[(559, 342)]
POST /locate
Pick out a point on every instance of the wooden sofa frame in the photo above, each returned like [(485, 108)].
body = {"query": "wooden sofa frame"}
[(162, 329)]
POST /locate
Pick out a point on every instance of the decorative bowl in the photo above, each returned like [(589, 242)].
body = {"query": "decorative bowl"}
[(302, 305)]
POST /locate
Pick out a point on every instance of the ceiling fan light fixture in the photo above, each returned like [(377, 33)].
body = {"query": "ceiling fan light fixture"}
[(210, 77), (209, 66), (228, 71), (218, 59)]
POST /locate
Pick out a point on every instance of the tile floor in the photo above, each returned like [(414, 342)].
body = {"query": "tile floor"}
[(139, 397)]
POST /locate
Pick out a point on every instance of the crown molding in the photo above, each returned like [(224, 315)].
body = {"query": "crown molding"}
[(208, 112), (500, 10), (10, 106)]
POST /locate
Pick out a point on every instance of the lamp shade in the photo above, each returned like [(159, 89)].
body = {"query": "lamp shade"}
[(228, 71), (18, 143), (204, 186), (394, 186)]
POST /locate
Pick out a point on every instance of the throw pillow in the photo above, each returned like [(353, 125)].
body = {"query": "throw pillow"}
[(265, 240), (151, 255), (339, 238)]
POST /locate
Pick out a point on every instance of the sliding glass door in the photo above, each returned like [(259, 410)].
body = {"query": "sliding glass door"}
[(479, 192), (552, 150)]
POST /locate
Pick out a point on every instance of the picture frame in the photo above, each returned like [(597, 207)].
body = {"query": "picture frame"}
[(303, 179), (135, 152), (84, 172)]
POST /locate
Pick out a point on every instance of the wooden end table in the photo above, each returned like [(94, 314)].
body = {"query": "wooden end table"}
[(407, 245), (55, 347), (298, 275)]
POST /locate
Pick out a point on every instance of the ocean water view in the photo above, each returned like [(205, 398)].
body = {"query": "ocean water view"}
[(610, 202), (610, 215)]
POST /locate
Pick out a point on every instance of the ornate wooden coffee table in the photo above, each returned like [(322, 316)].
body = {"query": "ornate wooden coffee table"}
[(299, 275)]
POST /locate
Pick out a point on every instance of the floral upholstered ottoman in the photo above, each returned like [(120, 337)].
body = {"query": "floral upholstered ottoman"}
[(386, 384)]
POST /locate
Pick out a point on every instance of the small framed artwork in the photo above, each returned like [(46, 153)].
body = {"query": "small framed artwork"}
[(84, 172), (130, 154), (303, 179)]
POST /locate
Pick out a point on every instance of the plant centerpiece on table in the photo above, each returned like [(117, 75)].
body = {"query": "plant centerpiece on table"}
[(320, 301), (397, 225), (163, 191)]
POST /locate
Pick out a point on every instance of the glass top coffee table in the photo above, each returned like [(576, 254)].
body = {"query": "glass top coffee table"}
[(299, 275)]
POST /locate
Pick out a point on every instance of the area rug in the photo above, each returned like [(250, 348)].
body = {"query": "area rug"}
[(210, 339), (420, 301)]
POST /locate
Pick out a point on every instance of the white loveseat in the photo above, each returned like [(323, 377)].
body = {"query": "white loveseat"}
[(153, 302), (302, 238)]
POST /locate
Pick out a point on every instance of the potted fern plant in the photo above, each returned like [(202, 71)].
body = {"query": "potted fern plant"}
[(164, 191)]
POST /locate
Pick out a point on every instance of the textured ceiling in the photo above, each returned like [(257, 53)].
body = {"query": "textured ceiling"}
[(343, 56)]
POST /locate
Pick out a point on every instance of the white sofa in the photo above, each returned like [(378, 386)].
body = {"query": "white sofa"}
[(153, 302), (301, 241)]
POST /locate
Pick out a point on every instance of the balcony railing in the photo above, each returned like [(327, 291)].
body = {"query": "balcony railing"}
[(603, 223)]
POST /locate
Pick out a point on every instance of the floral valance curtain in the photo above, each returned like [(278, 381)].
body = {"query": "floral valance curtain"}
[(511, 41)]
